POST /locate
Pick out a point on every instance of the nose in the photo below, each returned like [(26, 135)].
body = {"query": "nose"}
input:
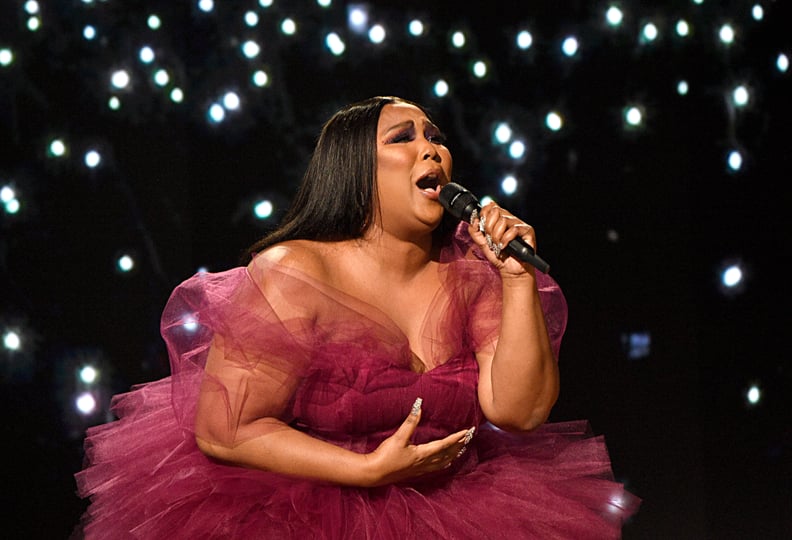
[(430, 151)]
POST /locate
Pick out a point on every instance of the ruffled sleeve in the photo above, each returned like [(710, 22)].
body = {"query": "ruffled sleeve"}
[(234, 358), (479, 284)]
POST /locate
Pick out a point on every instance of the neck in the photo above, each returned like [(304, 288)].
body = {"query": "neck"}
[(399, 257)]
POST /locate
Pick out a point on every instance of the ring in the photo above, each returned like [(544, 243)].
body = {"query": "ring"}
[(482, 223)]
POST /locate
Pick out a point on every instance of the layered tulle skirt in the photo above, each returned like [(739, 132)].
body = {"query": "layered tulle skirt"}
[(147, 479)]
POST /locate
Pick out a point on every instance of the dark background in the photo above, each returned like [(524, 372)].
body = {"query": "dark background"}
[(637, 224)]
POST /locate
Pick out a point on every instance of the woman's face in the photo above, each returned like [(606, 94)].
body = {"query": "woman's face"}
[(412, 165)]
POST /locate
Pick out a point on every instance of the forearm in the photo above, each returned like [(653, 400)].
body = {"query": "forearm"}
[(288, 451), (523, 372)]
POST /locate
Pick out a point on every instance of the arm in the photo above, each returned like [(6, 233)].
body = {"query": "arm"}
[(237, 422), (519, 383)]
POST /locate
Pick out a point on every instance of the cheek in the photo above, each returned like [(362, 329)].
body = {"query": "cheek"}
[(448, 161)]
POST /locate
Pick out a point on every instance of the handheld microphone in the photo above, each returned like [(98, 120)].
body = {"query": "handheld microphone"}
[(461, 203)]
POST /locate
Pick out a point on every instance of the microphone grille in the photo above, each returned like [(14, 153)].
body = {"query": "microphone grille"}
[(458, 201)]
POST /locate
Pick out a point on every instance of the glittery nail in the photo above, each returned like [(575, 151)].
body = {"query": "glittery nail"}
[(469, 435), (416, 408)]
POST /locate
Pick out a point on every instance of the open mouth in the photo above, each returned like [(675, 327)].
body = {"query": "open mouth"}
[(430, 182)]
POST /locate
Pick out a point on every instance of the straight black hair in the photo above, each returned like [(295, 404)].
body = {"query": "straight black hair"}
[(337, 198)]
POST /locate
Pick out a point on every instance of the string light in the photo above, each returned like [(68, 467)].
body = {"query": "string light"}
[(524, 40), (614, 16), (570, 46), (416, 28)]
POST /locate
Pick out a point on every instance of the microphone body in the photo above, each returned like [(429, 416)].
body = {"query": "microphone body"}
[(461, 204)]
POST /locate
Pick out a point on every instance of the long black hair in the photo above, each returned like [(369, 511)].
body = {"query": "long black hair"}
[(337, 198)]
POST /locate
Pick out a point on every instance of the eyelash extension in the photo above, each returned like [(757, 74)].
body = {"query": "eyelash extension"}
[(436, 138)]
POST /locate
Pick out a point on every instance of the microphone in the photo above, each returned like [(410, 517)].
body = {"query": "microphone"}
[(461, 203)]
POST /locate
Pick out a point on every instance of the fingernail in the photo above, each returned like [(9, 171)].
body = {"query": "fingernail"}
[(416, 408), (469, 435), (461, 451)]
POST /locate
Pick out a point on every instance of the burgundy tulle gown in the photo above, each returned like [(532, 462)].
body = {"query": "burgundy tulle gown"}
[(340, 370)]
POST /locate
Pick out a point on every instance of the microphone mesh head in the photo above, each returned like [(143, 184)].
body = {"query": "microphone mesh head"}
[(458, 201)]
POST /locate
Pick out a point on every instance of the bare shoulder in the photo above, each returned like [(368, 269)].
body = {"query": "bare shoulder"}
[(306, 256)]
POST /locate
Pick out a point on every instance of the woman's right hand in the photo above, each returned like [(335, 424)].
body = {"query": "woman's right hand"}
[(397, 459)]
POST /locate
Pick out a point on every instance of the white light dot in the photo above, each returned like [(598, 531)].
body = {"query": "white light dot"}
[(31, 7), (12, 341), (89, 32), (735, 160), (120, 79), (265, 3), (753, 395), (263, 209), (479, 69), (782, 62), (85, 403), (458, 39), (649, 32), (161, 77), (189, 323), (114, 103), (633, 116), (732, 276), (231, 101), (206, 5), (416, 28), (376, 33), (288, 26), (6, 57), (517, 149), (757, 12), (524, 39), (251, 18), (177, 95), (682, 88), (92, 158), (441, 88), (503, 133), (146, 55), (509, 185), (154, 22), (614, 16), (682, 28), (57, 148), (357, 19), (125, 263), (88, 374), (335, 44), (13, 206), (34, 23), (570, 46), (251, 49), (485, 200), (216, 113), (726, 34), (260, 78), (324, 3), (554, 121), (7, 193), (740, 96)]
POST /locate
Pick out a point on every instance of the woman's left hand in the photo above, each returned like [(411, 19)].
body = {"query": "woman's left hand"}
[(499, 228)]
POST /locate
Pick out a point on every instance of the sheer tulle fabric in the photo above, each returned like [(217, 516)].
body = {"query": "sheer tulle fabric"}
[(340, 370)]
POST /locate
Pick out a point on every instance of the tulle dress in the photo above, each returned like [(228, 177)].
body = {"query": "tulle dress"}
[(340, 370)]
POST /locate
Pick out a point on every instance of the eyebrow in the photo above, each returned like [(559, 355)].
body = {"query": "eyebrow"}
[(410, 123)]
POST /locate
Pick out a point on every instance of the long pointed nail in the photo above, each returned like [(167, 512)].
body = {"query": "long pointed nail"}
[(416, 407), (469, 435)]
